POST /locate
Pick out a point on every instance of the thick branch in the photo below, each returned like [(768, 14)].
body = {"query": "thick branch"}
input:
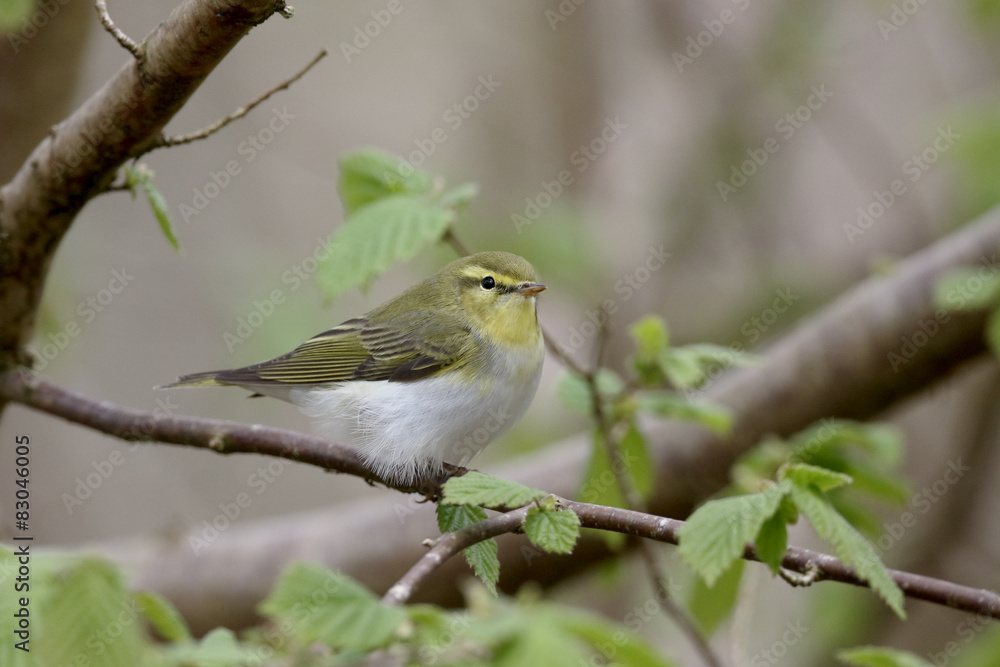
[(81, 155)]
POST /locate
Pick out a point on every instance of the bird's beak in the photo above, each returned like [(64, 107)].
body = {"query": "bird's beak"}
[(530, 289)]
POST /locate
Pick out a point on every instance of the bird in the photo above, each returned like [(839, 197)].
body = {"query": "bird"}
[(424, 381)]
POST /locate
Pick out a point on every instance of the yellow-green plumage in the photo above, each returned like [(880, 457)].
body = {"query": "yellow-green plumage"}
[(449, 338)]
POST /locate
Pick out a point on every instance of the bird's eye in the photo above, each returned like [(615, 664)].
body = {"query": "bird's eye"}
[(488, 282)]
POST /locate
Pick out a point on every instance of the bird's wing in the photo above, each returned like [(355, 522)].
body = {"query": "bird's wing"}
[(402, 348)]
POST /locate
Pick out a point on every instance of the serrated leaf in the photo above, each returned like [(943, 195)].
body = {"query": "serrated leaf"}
[(718, 531), (849, 545), (555, 531), (674, 406), (805, 475), (475, 488), (331, 607), (216, 649), (163, 616), (141, 177), (968, 288), (370, 174), (710, 606), (379, 234), (574, 393), (772, 540), (876, 656), (482, 557), (72, 636)]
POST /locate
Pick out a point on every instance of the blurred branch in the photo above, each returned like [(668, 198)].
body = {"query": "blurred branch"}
[(205, 132)]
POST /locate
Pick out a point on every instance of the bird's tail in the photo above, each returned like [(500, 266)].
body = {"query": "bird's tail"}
[(204, 379)]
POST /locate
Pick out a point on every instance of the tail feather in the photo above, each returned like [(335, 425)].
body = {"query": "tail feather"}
[(205, 379)]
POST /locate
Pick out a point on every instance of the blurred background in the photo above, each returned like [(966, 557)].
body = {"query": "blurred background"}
[(780, 150)]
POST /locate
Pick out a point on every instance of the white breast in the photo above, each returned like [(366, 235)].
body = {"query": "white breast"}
[(406, 430)]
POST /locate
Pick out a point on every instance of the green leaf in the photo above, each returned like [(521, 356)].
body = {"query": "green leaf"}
[(690, 366), (805, 475), (378, 235), (876, 656), (370, 174), (69, 636), (320, 605), (482, 557), (615, 644), (574, 392), (219, 648), (541, 643), (651, 336), (718, 531), (13, 12), (673, 406), (141, 177), (459, 196), (475, 488), (772, 540), (599, 485), (968, 288), (993, 332), (710, 606), (162, 615), (637, 461), (849, 545), (553, 530)]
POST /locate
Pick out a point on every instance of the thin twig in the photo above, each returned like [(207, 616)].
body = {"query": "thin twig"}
[(452, 239), (205, 132), (127, 42), (450, 544)]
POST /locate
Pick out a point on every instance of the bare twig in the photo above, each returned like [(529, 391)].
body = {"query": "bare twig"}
[(127, 42), (456, 244), (205, 132)]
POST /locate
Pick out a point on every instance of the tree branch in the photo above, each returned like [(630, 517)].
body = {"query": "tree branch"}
[(127, 42), (81, 155), (205, 132), (814, 565), (223, 437)]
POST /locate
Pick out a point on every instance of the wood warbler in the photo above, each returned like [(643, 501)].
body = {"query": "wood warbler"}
[(427, 378)]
